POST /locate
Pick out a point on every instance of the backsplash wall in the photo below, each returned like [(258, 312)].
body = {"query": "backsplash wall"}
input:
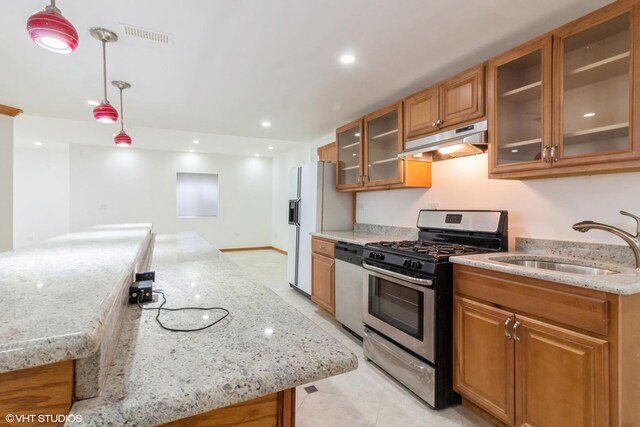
[(542, 208)]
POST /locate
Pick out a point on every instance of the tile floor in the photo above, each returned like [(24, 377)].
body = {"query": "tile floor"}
[(364, 397)]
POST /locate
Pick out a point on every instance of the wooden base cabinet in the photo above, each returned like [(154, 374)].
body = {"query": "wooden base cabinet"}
[(561, 376), (484, 358), (323, 269), (535, 353)]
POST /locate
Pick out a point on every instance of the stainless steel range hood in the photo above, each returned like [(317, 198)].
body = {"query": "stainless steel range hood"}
[(464, 141)]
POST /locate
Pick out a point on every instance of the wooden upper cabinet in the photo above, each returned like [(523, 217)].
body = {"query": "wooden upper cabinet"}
[(462, 97), (562, 377), (421, 112), (566, 104), (484, 357), (349, 170), (519, 98), (594, 97), (456, 100), (383, 135), (368, 154)]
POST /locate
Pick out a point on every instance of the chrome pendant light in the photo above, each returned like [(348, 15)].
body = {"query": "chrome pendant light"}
[(104, 112), (122, 139), (52, 31)]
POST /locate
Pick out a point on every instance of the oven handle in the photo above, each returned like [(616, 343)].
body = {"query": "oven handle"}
[(415, 280)]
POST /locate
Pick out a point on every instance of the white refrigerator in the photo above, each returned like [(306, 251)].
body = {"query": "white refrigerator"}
[(314, 205)]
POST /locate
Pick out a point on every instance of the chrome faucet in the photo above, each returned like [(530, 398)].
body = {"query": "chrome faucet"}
[(631, 240)]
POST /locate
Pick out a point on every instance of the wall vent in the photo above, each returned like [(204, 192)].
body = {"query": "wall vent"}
[(143, 33)]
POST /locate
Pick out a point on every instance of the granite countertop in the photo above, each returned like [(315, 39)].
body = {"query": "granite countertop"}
[(262, 347), (56, 295), (355, 237), (625, 282)]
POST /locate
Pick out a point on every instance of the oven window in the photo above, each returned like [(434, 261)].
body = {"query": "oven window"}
[(397, 305)]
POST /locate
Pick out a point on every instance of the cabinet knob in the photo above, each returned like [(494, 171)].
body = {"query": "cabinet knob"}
[(554, 153), (545, 154), (515, 331), (506, 327), (437, 123)]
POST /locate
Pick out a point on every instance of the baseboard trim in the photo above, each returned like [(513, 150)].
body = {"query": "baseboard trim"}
[(255, 248)]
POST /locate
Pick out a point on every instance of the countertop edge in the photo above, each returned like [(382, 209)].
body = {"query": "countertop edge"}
[(78, 345), (560, 278)]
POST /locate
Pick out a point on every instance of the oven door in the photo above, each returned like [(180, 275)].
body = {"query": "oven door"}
[(402, 308)]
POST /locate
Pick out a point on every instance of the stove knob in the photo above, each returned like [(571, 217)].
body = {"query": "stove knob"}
[(380, 257), (406, 263), (417, 265), (372, 255)]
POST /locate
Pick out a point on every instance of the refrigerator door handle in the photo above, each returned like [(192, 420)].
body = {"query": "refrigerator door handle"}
[(297, 212)]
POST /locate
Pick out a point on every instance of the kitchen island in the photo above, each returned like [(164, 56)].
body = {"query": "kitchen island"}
[(248, 364), (263, 347)]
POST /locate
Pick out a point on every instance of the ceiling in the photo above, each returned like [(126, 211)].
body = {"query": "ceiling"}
[(234, 63)]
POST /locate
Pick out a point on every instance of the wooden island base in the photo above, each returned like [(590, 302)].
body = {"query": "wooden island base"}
[(273, 410)]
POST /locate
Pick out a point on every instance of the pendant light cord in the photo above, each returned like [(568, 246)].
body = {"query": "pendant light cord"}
[(121, 112), (104, 67)]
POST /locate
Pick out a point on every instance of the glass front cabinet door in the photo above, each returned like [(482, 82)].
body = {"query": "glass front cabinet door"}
[(519, 108), (383, 131), (349, 169), (566, 103), (593, 91)]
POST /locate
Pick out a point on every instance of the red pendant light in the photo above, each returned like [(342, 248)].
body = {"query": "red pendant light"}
[(104, 112), (50, 30), (122, 139)]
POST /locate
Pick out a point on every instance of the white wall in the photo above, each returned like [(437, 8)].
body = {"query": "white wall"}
[(543, 208), (282, 165), (110, 185), (41, 193), (6, 183)]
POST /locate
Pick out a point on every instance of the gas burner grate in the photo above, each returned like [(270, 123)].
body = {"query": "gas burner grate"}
[(433, 249)]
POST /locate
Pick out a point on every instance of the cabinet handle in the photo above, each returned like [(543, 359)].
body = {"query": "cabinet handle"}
[(366, 177), (545, 154), (359, 179), (515, 331), (506, 327), (554, 153), (437, 123)]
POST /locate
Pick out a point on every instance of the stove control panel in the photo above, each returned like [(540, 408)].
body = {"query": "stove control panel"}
[(377, 256), (412, 264)]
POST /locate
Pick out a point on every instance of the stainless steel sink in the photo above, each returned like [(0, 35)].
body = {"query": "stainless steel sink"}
[(559, 266)]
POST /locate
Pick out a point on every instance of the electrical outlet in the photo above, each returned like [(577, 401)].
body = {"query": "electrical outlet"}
[(433, 205)]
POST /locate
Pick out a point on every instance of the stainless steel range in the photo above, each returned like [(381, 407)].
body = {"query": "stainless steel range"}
[(408, 298)]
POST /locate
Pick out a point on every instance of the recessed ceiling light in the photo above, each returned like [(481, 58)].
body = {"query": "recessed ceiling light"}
[(266, 124), (354, 154), (270, 148), (93, 103), (347, 59), (357, 134), (589, 114), (38, 143), (257, 155), (192, 151), (195, 141), (514, 151)]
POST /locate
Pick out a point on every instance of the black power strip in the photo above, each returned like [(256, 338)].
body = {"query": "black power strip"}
[(141, 292)]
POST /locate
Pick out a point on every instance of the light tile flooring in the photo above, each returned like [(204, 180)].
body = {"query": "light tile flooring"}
[(364, 397)]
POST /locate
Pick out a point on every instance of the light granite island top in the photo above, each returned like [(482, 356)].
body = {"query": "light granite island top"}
[(56, 296), (263, 346)]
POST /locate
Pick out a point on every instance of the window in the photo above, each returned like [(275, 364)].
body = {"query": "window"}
[(196, 195)]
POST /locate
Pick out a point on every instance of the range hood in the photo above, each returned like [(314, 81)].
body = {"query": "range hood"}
[(464, 141)]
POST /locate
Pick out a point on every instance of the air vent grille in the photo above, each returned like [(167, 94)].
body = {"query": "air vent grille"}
[(143, 33)]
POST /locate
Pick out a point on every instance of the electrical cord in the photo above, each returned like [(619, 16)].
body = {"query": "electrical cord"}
[(161, 307)]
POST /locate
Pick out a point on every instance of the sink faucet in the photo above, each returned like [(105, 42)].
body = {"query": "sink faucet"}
[(632, 240)]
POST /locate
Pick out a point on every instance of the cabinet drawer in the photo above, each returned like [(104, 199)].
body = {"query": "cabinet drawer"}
[(323, 247), (579, 308)]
